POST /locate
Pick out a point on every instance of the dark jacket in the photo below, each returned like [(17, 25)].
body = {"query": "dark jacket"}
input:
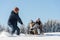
[(14, 18), (39, 22)]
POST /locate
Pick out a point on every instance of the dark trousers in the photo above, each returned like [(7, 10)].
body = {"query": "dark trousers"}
[(40, 27), (15, 28)]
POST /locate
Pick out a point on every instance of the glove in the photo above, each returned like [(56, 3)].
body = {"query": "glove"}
[(23, 25)]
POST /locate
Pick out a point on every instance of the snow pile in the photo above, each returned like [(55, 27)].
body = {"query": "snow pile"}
[(52, 34), (3, 34)]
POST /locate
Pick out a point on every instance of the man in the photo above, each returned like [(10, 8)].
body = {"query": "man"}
[(13, 19), (39, 23)]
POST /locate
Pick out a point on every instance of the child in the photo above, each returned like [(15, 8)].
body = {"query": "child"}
[(38, 22), (13, 19)]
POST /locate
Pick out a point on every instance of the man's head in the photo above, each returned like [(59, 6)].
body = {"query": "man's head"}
[(16, 9), (38, 19)]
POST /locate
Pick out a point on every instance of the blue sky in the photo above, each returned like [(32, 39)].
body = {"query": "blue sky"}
[(30, 9)]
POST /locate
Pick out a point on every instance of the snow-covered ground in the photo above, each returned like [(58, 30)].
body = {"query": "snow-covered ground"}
[(29, 38), (46, 36)]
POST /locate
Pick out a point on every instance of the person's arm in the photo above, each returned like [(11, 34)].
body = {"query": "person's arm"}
[(19, 19)]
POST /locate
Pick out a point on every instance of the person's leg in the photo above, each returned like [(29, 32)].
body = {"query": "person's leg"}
[(13, 29), (18, 31), (40, 27), (36, 32)]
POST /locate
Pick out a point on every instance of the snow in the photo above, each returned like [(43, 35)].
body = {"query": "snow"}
[(46, 36)]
